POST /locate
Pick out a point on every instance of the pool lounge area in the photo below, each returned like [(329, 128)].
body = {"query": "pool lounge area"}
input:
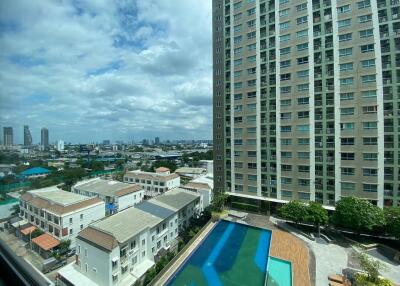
[(233, 254)]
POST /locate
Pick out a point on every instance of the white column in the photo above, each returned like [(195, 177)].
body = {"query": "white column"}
[(336, 70), (258, 98), (232, 36), (379, 98), (311, 100), (278, 103)]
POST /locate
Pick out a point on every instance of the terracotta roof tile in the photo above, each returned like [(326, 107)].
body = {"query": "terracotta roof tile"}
[(162, 169), (100, 238), (126, 191), (46, 241), (27, 230)]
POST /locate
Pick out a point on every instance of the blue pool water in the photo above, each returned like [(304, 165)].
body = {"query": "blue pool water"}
[(279, 272), (231, 254)]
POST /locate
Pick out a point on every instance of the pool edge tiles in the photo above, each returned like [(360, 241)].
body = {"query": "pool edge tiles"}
[(226, 252)]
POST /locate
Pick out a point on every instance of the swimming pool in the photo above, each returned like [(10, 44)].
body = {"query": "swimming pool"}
[(279, 272), (231, 254)]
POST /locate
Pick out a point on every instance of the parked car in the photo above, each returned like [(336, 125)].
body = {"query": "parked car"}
[(51, 264)]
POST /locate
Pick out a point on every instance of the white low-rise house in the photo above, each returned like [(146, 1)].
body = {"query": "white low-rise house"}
[(119, 249), (59, 213), (204, 186), (153, 183), (117, 195)]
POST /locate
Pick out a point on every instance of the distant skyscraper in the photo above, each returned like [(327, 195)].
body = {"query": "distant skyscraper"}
[(60, 145), (106, 142), (157, 140), (8, 136), (44, 136), (27, 136)]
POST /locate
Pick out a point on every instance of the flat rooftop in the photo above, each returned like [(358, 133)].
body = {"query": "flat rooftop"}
[(175, 199), (150, 175), (190, 170), (126, 223), (58, 196), (107, 187), (58, 201)]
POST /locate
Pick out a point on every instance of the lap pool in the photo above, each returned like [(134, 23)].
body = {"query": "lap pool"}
[(231, 254)]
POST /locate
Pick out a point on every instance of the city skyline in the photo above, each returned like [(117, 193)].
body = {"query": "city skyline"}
[(122, 73)]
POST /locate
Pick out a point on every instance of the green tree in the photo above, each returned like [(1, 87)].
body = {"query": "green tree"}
[(392, 217), (218, 201), (97, 165), (71, 176), (295, 211), (317, 215), (64, 245), (119, 164), (37, 232), (165, 163), (357, 214)]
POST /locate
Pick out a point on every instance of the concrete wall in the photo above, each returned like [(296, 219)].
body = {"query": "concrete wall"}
[(130, 200), (90, 215), (98, 262)]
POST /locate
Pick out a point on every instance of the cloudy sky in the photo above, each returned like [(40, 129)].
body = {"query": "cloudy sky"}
[(94, 70)]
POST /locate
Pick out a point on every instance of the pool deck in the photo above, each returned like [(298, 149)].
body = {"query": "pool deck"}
[(287, 247), (174, 267)]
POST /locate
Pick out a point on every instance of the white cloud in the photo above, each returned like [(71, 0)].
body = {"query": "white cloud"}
[(97, 70)]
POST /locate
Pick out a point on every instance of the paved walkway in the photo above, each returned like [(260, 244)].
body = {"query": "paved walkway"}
[(164, 278), (329, 258), (332, 259), (288, 247)]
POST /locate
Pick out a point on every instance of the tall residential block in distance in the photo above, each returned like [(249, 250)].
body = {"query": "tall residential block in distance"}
[(8, 136), (44, 137), (27, 136), (306, 99)]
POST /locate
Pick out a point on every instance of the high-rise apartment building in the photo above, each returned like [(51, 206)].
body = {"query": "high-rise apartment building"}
[(306, 99), (8, 137), (27, 136), (60, 145), (44, 137)]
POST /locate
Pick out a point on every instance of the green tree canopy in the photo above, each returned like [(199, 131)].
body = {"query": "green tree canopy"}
[(37, 232), (357, 214), (218, 201), (164, 163), (316, 214), (295, 211), (392, 217)]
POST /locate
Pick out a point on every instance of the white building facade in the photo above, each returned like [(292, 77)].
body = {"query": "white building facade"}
[(153, 183), (119, 249), (59, 213), (116, 195)]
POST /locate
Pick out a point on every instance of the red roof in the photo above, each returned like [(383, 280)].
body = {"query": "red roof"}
[(46, 241), (162, 169), (28, 230)]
